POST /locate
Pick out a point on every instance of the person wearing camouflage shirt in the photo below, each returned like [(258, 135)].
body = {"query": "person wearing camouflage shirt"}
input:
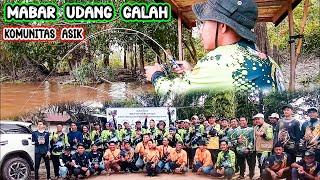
[(245, 148), (233, 63)]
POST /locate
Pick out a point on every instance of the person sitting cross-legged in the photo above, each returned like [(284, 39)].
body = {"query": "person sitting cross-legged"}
[(202, 159), (226, 161)]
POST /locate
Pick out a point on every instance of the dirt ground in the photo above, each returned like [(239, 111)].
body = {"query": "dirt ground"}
[(139, 176)]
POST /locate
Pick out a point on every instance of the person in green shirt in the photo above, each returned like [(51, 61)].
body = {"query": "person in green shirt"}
[(233, 61), (233, 132), (138, 133), (96, 136), (161, 132), (245, 148), (173, 137), (225, 165), (58, 141)]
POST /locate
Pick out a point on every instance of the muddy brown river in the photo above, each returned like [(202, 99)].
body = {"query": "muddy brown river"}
[(20, 98)]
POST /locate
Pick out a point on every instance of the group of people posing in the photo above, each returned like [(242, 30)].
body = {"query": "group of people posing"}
[(209, 146)]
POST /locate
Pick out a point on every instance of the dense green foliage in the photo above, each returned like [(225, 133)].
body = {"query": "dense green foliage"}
[(311, 43)]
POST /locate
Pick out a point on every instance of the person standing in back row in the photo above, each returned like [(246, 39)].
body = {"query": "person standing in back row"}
[(42, 148), (288, 131)]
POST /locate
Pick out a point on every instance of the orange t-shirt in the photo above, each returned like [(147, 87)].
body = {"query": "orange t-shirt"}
[(111, 155), (151, 155), (140, 148), (179, 157), (163, 150), (204, 157)]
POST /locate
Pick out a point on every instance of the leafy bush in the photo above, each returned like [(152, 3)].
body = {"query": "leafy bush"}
[(85, 73)]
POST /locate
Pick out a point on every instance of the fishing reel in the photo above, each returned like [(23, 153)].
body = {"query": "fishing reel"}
[(168, 67)]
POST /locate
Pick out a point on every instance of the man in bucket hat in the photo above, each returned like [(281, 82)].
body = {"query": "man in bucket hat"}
[(233, 61)]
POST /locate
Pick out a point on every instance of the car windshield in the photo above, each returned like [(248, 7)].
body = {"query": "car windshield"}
[(14, 129)]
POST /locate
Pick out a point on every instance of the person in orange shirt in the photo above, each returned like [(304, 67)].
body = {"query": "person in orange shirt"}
[(112, 158), (202, 160), (164, 151), (151, 159), (140, 150), (178, 159)]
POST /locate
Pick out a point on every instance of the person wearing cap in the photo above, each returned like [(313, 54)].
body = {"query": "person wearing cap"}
[(164, 151), (140, 151), (277, 166), (151, 129), (196, 132), (127, 157), (306, 168), (274, 121), (244, 148), (180, 129), (81, 162), (112, 158), (288, 131), (126, 134), (212, 139), (310, 132), (58, 141), (160, 132), (233, 61), (65, 161), (226, 161), (202, 162), (173, 137), (96, 160), (263, 137)]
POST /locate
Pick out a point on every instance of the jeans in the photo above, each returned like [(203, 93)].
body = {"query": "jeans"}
[(63, 171), (262, 156), (139, 163), (162, 165), (228, 173), (56, 163), (37, 160), (251, 161), (205, 169)]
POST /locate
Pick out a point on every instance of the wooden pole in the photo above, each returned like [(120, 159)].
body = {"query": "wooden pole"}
[(302, 26), (292, 80), (180, 37)]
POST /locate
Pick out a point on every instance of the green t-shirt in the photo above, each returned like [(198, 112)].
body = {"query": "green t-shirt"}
[(231, 67)]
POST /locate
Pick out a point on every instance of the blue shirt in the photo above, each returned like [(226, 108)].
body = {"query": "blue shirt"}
[(72, 135), (38, 137)]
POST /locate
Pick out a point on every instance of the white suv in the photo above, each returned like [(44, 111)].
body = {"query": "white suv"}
[(16, 150)]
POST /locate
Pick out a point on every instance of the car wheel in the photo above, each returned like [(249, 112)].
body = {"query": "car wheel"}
[(16, 168)]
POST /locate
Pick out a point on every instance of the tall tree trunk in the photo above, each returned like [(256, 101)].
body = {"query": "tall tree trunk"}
[(106, 56), (262, 37), (157, 50), (125, 57), (131, 58), (135, 58), (141, 59)]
